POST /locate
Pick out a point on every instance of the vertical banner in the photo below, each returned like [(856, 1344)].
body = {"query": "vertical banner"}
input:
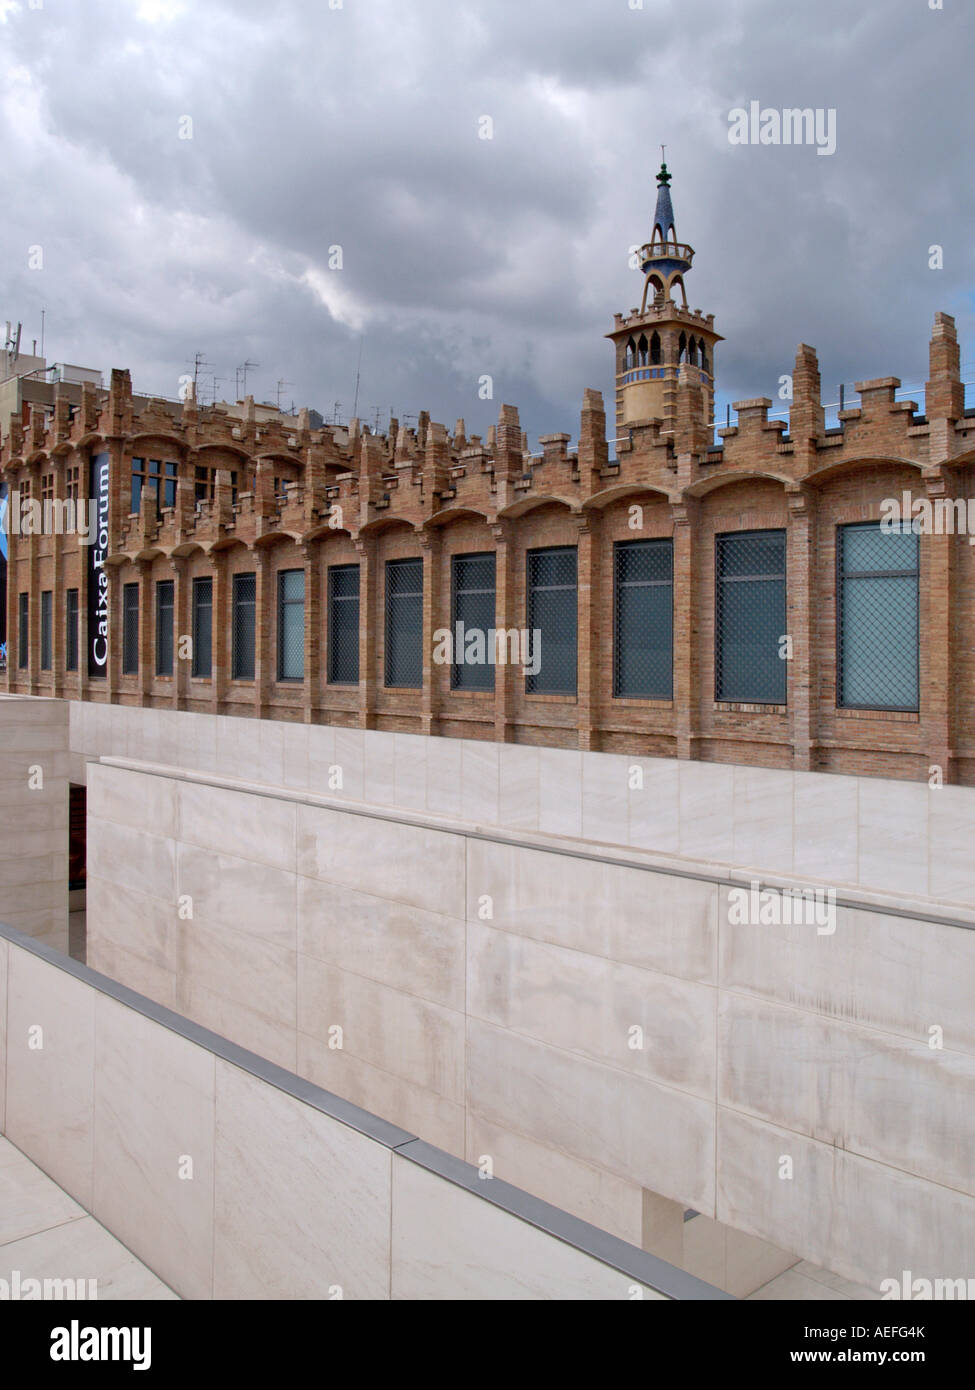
[(97, 574)]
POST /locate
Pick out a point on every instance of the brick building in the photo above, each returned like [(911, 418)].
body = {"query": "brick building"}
[(733, 603)]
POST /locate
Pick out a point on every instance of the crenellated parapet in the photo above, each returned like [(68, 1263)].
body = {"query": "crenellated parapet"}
[(242, 478)]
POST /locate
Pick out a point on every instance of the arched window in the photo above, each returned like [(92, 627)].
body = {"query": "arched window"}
[(704, 359), (655, 356), (642, 350), (692, 352), (630, 354), (682, 348)]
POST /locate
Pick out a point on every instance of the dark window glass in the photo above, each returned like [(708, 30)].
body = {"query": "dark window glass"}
[(169, 494), (553, 617), (23, 632), (130, 629), (750, 618), (202, 626), (71, 631), (643, 652), (47, 633), (878, 617), (164, 627), (291, 625), (343, 624), (404, 623), (147, 475), (244, 603), (473, 609)]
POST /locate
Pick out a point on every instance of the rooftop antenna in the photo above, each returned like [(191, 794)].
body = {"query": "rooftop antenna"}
[(217, 381), (198, 361), (43, 316), (355, 405), (242, 371), (281, 385)]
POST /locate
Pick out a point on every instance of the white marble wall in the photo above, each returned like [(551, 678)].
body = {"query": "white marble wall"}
[(883, 835), (34, 817), (588, 1026), (229, 1188)]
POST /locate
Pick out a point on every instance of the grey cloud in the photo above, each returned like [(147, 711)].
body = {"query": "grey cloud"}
[(461, 257)]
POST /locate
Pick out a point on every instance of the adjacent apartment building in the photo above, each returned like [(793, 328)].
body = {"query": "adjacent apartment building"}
[(792, 596)]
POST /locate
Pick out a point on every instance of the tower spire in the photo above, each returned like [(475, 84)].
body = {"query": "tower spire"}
[(663, 346), (663, 217)]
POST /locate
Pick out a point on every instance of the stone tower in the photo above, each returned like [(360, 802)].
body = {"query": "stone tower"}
[(662, 339)]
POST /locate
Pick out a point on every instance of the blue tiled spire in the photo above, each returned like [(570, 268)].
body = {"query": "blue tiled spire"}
[(663, 218)]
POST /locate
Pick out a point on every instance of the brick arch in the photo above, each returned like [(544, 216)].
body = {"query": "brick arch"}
[(704, 486), (624, 492), (844, 467), (382, 524), (272, 539), (171, 441), (448, 516), (321, 533), (529, 504)]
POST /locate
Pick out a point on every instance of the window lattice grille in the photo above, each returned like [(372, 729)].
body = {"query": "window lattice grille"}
[(878, 617), (130, 629), (243, 626), (202, 627), (164, 628), (343, 624), (553, 619), (643, 650), (750, 618), (71, 631), (473, 590), (404, 623), (291, 625)]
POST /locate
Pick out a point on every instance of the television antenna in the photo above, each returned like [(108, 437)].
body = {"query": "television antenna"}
[(355, 404), (242, 371)]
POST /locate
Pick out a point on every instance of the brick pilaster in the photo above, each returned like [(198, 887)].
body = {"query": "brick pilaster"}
[(370, 613), (266, 625), (799, 587), (314, 630), (431, 542), (588, 549), (687, 692), (507, 613)]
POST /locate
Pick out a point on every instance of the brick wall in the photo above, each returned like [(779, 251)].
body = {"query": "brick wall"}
[(369, 498)]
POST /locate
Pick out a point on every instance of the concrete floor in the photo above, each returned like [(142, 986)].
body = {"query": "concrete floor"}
[(44, 1234)]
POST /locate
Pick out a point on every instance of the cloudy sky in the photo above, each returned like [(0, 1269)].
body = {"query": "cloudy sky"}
[(360, 127)]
